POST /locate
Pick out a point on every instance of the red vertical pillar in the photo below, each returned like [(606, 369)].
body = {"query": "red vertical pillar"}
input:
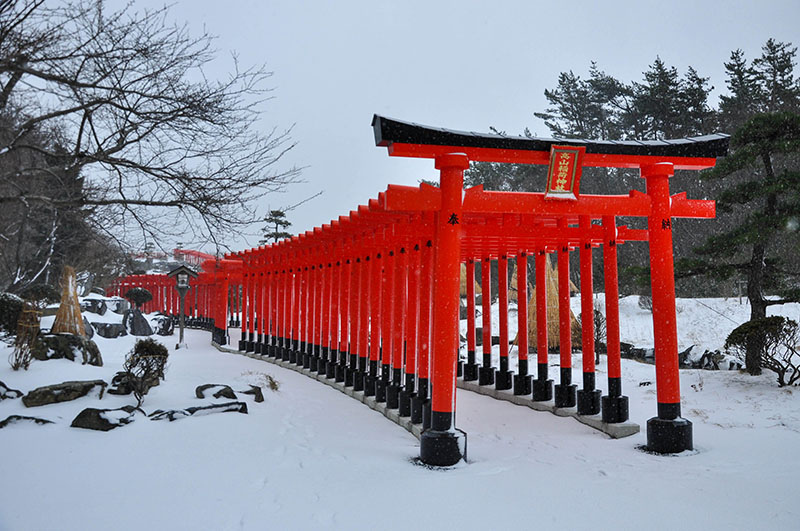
[(322, 364), (248, 305), (614, 405), (522, 381), (565, 390), (311, 335), (486, 372), (364, 274), (374, 325), (245, 281), (503, 377), (542, 385), (294, 308), (331, 292), (421, 402), (283, 314), (398, 328), (668, 432), (412, 324), (588, 398), (260, 318), (441, 445), (354, 318), (334, 319), (344, 315), (471, 367), (387, 325)]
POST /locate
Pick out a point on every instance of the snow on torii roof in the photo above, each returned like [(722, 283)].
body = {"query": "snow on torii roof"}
[(409, 139)]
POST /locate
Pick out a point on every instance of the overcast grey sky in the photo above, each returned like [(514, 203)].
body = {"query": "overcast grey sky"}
[(458, 64)]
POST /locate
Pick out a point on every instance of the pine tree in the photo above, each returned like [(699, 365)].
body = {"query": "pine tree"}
[(275, 223), (774, 70), (765, 151), (760, 185), (745, 92)]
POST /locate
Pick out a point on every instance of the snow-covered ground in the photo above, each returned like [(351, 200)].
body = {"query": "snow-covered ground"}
[(310, 457)]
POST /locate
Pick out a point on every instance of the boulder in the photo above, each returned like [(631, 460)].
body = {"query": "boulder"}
[(15, 419), (256, 392), (103, 419), (120, 384), (234, 407), (164, 324), (135, 323), (97, 306), (63, 392), (67, 346), (216, 390), (7, 392), (118, 305), (88, 327), (110, 330)]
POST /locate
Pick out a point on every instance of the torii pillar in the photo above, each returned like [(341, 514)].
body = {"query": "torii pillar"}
[(668, 432), (441, 444)]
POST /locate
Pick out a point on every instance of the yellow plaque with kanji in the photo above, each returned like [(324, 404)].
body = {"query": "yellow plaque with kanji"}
[(564, 175)]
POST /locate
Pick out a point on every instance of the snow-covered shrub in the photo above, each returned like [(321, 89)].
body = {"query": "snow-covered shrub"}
[(144, 367), (775, 339), (10, 309), (138, 296)]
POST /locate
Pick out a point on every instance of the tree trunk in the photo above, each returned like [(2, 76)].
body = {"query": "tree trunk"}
[(755, 278)]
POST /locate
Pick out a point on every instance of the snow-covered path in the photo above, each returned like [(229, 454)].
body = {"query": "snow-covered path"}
[(310, 457)]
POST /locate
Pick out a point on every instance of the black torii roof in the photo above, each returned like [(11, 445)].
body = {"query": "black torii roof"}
[(388, 131)]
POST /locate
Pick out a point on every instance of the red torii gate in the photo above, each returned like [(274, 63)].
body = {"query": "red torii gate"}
[(371, 299), (452, 152)]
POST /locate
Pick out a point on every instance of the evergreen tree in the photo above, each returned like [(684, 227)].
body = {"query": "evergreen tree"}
[(774, 71), (744, 92), (765, 151), (275, 223)]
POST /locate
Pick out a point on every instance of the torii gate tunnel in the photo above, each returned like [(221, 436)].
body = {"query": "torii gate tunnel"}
[(372, 299)]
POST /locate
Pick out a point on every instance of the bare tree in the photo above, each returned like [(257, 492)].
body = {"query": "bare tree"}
[(111, 114)]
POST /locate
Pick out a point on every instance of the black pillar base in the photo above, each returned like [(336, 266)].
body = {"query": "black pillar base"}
[(258, 347), (330, 370), (503, 379), (427, 412), (615, 409), (442, 448), (339, 373), (565, 395), (470, 372), (542, 390), (459, 369), (306, 360), (486, 375), (292, 356), (250, 346), (589, 401), (358, 380), (313, 364), (242, 345), (522, 384), (286, 354), (404, 403), (417, 403), (349, 375), (393, 396), (369, 385), (380, 390), (669, 436)]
